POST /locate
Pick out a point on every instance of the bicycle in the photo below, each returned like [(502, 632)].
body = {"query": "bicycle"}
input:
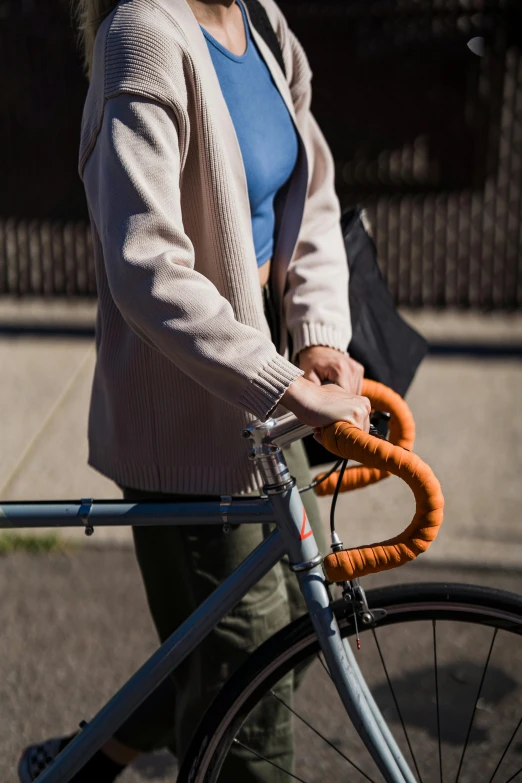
[(325, 632)]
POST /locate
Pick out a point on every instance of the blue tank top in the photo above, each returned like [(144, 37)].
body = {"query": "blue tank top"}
[(264, 128)]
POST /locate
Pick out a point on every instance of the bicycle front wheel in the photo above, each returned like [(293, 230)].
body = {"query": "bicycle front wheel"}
[(443, 664)]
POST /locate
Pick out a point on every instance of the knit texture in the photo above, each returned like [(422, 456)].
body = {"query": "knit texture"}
[(184, 355)]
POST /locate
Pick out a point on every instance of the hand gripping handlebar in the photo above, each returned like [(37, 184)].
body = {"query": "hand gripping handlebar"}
[(349, 442), (402, 433)]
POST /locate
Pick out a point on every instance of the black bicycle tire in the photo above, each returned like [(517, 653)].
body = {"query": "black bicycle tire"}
[(297, 641)]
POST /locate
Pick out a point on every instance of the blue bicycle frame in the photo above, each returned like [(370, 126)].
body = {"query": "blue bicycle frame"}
[(292, 536)]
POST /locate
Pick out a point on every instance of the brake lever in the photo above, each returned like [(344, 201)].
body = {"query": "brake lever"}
[(379, 424), (376, 434)]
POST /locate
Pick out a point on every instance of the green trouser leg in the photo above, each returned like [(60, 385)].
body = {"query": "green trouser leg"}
[(181, 566)]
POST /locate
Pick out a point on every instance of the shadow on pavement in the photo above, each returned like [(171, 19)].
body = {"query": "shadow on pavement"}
[(155, 766)]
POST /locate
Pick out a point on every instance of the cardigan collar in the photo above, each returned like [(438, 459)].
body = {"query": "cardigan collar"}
[(290, 214), (180, 12)]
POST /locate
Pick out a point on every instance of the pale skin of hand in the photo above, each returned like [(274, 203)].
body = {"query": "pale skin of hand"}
[(318, 405), (321, 363)]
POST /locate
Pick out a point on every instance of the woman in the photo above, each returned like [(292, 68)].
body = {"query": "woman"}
[(222, 284)]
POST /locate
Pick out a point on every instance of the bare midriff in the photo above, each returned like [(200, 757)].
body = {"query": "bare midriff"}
[(264, 272)]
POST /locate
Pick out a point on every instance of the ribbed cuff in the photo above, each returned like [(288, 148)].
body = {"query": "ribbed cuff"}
[(308, 334), (264, 392)]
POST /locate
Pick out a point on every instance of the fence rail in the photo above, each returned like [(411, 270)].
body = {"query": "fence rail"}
[(43, 258), (462, 248), (435, 251), (425, 135)]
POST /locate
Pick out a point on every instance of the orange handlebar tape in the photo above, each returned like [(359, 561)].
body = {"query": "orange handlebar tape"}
[(349, 442), (402, 433)]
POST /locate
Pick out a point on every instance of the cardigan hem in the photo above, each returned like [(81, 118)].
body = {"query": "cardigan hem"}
[(183, 479)]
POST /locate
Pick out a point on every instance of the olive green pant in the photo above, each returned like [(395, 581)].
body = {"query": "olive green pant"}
[(181, 566)]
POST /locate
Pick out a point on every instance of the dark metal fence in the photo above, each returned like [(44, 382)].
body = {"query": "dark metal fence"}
[(425, 134), (462, 248), (46, 258)]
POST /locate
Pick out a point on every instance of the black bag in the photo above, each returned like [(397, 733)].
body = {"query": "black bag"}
[(261, 22), (387, 347)]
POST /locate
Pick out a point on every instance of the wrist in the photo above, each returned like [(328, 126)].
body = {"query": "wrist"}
[(294, 391), (311, 349)]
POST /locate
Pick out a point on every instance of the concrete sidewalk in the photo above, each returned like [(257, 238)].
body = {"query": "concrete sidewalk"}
[(466, 407)]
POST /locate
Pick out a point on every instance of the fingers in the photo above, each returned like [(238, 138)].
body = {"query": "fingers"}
[(362, 414), (321, 364), (312, 376), (354, 373), (346, 372), (358, 415), (320, 405), (339, 405), (358, 375), (342, 376), (366, 422)]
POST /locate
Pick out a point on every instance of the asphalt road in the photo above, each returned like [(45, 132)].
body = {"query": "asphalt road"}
[(75, 625)]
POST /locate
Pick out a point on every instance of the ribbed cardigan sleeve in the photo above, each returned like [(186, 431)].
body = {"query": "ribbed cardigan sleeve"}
[(316, 303), (132, 181)]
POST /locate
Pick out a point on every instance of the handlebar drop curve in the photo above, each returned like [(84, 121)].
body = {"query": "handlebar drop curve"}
[(349, 442)]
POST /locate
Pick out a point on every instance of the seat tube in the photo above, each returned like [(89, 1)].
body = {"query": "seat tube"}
[(306, 562)]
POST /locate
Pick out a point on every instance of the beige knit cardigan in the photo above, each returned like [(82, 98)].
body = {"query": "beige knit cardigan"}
[(184, 356)]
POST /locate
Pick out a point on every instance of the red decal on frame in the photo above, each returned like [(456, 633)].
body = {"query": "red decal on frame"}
[(303, 526)]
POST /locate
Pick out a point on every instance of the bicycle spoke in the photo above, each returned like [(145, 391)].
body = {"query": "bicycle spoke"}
[(303, 720), (259, 756), (506, 750), (433, 622), (475, 705), (514, 776), (399, 713), (323, 664)]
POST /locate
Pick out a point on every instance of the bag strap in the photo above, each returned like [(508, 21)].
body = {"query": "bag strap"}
[(263, 26)]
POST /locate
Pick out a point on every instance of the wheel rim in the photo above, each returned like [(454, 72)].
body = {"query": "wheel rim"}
[(494, 621)]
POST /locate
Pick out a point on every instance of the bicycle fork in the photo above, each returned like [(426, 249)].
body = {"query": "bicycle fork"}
[(305, 561), (368, 616), (340, 660)]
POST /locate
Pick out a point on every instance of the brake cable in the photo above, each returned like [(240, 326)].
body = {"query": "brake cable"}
[(317, 481)]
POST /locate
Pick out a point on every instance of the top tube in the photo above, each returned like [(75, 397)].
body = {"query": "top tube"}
[(90, 514)]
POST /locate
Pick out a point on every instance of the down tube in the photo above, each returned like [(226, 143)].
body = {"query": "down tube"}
[(164, 661), (301, 547)]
